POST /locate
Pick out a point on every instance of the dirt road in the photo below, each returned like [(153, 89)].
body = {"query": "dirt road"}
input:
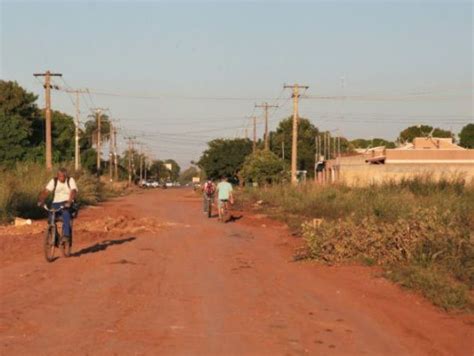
[(151, 275)]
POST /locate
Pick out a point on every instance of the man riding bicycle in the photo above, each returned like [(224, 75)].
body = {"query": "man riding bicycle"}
[(224, 195), (64, 191)]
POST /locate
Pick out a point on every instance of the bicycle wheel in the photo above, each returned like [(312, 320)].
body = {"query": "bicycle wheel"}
[(49, 243), (209, 207)]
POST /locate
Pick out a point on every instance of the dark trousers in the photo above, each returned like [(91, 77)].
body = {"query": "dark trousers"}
[(66, 216)]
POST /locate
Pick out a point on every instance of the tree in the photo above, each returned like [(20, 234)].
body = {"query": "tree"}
[(175, 169), (89, 137), (89, 160), (18, 113), (157, 169), (307, 133), (62, 132), (225, 157), (375, 142), (466, 136), (187, 175), (22, 132), (411, 132), (264, 167)]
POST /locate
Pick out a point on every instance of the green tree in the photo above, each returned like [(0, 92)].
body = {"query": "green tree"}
[(411, 132), (89, 160), (306, 142), (187, 175), (376, 142), (89, 136), (18, 114), (175, 169), (224, 157), (466, 136), (62, 132), (264, 167)]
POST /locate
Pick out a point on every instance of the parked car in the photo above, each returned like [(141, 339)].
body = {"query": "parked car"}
[(151, 184)]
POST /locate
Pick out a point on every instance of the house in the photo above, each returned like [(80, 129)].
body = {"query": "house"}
[(424, 150)]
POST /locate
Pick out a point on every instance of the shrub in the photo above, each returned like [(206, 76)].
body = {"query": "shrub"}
[(263, 167), (419, 229), (21, 185)]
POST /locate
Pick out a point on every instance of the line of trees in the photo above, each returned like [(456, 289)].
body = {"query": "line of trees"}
[(22, 137), (234, 158)]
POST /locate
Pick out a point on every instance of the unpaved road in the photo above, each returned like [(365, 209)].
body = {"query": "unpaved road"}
[(153, 276)]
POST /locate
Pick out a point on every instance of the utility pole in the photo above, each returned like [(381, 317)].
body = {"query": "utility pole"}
[(98, 113), (111, 151), (47, 87), (265, 106), (77, 153), (130, 149), (115, 155), (254, 145), (294, 142), (141, 163)]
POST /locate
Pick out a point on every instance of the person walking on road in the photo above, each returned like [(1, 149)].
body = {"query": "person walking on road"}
[(64, 191), (224, 196)]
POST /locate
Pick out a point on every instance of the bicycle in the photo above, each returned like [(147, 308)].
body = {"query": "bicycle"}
[(53, 238), (209, 199)]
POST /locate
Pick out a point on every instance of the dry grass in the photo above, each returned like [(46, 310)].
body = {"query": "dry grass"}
[(419, 229), (20, 186)]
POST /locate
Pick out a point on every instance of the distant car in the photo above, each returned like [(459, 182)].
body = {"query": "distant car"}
[(169, 184), (151, 184)]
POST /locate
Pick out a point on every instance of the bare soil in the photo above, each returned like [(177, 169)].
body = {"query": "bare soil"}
[(152, 275)]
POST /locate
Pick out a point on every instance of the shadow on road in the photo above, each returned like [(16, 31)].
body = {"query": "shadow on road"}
[(234, 218), (101, 246)]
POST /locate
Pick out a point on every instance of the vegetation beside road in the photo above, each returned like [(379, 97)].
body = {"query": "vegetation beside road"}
[(419, 230), (21, 185)]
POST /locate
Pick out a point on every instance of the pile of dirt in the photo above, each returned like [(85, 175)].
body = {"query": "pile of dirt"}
[(36, 227), (122, 225)]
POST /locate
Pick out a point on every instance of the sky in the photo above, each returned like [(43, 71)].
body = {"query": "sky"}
[(178, 74)]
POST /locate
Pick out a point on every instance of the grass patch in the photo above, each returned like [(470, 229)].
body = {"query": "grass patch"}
[(435, 285), (21, 185)]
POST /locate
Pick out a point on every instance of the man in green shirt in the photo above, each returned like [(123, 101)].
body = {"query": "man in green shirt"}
[(224, 195)]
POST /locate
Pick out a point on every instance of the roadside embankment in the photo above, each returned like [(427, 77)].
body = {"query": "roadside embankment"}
[(418, 229)]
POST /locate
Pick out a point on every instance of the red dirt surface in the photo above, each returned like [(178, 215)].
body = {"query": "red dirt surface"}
[(151, 274)]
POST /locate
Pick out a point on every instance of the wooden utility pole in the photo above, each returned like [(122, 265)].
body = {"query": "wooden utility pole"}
[(265, 106), (115, 155), (130, 149), (294, 142), (98, 113), (47, 114), (141, 164), (254, 145), (111, 151), (77, 152)]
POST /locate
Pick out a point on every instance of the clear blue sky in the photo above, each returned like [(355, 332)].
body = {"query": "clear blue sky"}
[(247, 50)]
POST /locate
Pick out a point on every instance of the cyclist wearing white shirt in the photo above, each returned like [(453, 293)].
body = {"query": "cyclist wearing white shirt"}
[(65, 190)]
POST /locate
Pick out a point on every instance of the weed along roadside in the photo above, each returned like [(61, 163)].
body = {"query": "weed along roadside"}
[(418, 230), (20, 186)]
